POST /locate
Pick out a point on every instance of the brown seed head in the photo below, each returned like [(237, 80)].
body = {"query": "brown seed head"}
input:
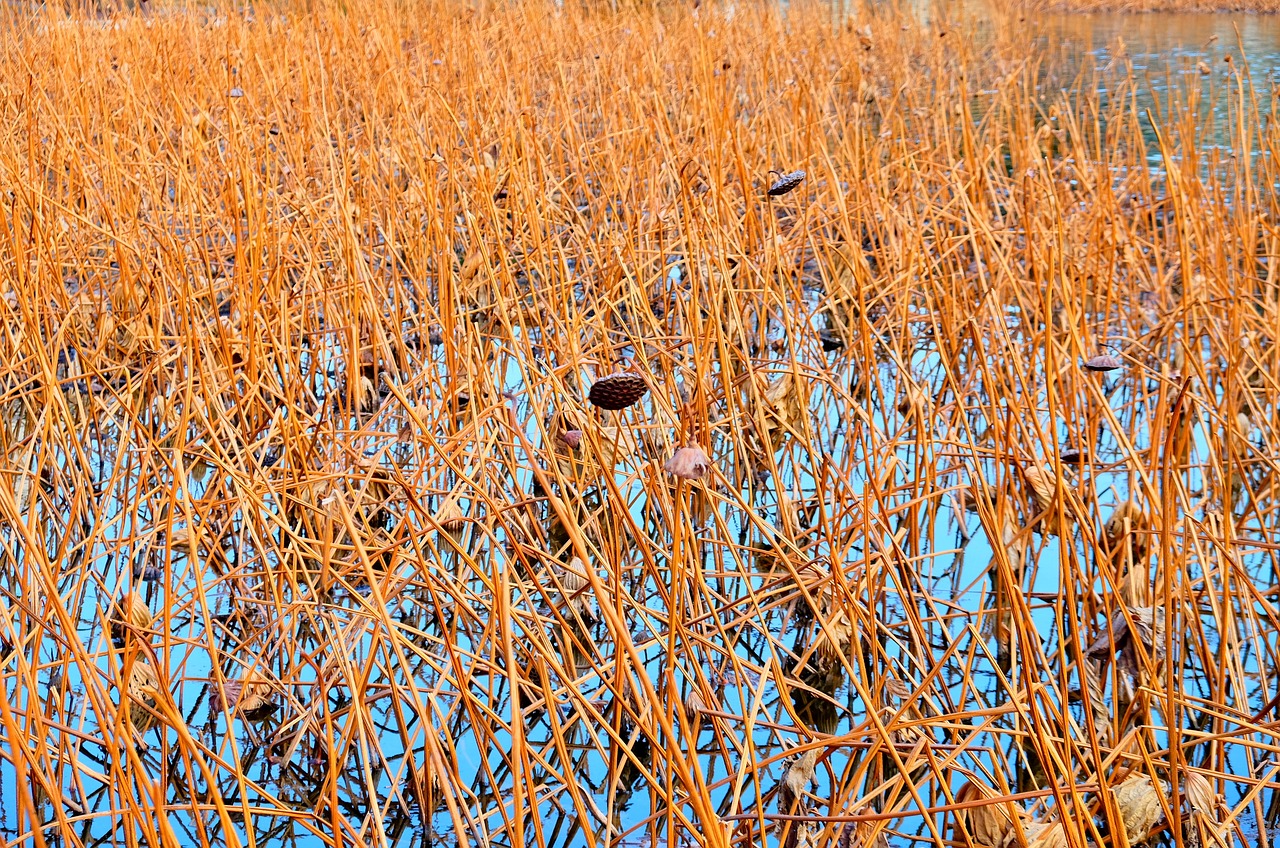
[(786, 183), (618, 391), (1103, 362)]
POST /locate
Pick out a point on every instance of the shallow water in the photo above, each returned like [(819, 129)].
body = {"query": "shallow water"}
[(1154, 40), (1173, 54)]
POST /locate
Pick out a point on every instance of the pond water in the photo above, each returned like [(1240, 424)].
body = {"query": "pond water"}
[(1170, 55), (1156, 41)]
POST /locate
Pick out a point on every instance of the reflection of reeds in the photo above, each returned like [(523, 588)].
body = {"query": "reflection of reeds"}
[(306, 390)]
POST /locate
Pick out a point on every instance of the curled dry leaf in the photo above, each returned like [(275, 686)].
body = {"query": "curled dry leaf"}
[(144, 683), (1148, 624), (694, 705), (986, 826), (1042, 484), (1044, 835), (1127, 525), (796, 777), (250, 695), (785, 403), (803, 834), (913, 403), (1139, 806), (864, 834), (834, 638), (419, 416), (576, 594), (1125, 543), (896, 688), (129, 611), (974, 493), (1045, 487), (185, 539), (1091, 671), (1239, 438)]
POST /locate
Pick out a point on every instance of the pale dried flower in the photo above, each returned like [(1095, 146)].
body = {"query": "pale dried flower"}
[(449, 517), (574, 578), (694, 705), (688, 463), (1200, 795)]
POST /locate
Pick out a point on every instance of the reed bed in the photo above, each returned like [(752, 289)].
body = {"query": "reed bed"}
[(464, 425)]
